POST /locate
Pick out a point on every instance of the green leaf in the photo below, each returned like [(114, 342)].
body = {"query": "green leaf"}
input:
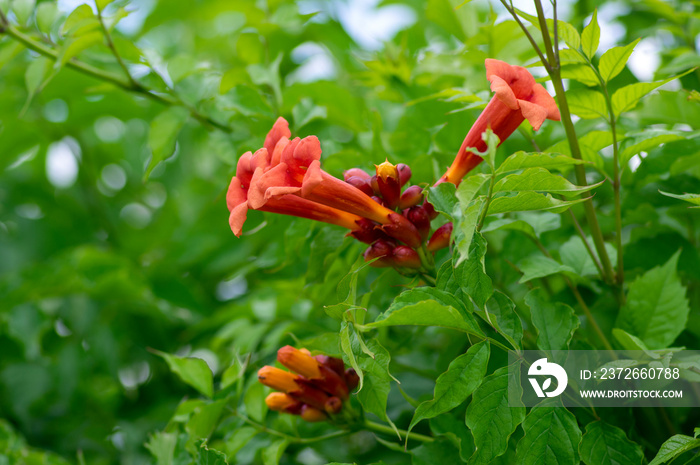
[(46, 14), (614, 60), (193, 371), (206, 456), (443, 14), (523, 160), (443, 198), (377, 380), (530, 201), (425, 306), (35, 74), (204, 420), (254, 401), (346, 336), (79, 18), (692, 198), (471, 272), (272, 454), (499, 312), (590, 37), (552, 436), (588, 104), (456, 384), (657, 309), (162, 447), (676, 445), (627, 97), (581, 73), (164, 130), (491, 417), (573, 254), (306, 111), (531, 224), (566, 31), (23, 10), (101, 4), (443, 451), (555, 322), (539, 266), (347, 291), (644, 143), (74, 46), (269, 75), (630, 342), (539, 179), (605, 444)]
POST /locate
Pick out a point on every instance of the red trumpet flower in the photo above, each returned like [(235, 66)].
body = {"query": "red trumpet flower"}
[(518, 98)]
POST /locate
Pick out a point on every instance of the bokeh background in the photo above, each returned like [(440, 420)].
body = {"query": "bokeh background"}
[(100, 261)]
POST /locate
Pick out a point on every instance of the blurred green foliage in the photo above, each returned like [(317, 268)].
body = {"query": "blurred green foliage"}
[(114, 242)]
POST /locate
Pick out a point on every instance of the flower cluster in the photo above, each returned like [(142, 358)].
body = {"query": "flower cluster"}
[(285, 176), (318, 390)]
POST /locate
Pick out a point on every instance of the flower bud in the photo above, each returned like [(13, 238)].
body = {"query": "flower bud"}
[(362, 184), (311, 414), (430, 210), (411, 197), (389, 184), (357, 172), (420, 219), (378, 200), (402, 229), (333, 405), (382, 250), (440, 238), (404, 173), (281, 402), (278, 379), (367, 232), (375, 185), (299, 362), (406, 257), (333, 363), (309, 393), (351, 378)]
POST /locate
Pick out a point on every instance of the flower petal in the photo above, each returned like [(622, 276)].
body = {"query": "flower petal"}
[(279, 130), (541, 97), (236, 194), (503, 92), (312, 179), (237, 218), (533, 113)]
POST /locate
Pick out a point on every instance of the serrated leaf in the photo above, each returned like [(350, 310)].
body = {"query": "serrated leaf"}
[(555, 322), (499, 312), (346, 336), (425, 306), (470, 272), (605, 444), (631, 342), (587, 104), (530, 201), (551, 436), (443, 198), (207, 456), (163, 133), (673, 447), (532, 224), (377, 379), (692, 198), (569, 56), (590, 37), (46, 14), (193, 371), (627, 97), (456, 384), (23, 10), (541, 180), (657, 309), (614, 60), (491, 417), (523, 160)]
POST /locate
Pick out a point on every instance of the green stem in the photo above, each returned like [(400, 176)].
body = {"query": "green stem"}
[(118, 81), (113, 48), (488, 202), (292, 439), (383, 429)]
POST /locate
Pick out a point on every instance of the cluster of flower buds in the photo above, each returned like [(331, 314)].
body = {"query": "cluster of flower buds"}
[(316, 392), (285, 176), (388, 188)]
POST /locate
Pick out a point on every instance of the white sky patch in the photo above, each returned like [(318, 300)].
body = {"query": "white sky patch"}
[(645, 59), (611, 32), (61, 164), (316, 63)]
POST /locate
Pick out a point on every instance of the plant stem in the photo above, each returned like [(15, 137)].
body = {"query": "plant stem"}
[(383, 429), (118, 81), (488, 201), (293, 439), (110, 44), (591, 253)]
